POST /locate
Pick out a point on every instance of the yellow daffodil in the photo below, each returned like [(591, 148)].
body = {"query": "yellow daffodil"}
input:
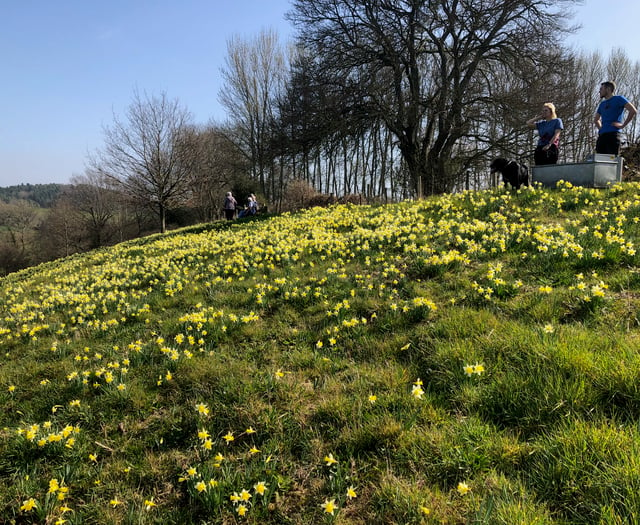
[(463, 488), (202, 409), (417, 392), (330, 460), (329, 506), (28, 505)]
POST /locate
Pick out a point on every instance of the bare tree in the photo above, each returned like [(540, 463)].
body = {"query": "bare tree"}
[(60, 235), (96, 204), (426, 68), (218, 163), (624, 73), (19, 220), (143, 154), (253, 74)]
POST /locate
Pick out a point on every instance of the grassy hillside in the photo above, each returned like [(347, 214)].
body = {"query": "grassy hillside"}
[(466, 359)]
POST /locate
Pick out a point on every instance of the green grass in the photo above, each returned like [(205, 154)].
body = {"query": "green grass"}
[(484, 341)]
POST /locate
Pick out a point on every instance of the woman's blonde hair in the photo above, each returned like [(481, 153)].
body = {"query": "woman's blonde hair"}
[(552, 108)]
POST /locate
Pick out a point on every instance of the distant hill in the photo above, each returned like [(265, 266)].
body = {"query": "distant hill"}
[(42, 194)]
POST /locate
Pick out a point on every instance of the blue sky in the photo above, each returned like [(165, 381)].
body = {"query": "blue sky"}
[(69, 65)]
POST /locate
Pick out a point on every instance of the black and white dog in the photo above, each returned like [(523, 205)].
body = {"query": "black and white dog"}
[(513, 173)]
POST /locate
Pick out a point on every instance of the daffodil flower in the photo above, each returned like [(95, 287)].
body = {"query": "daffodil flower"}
[(330, 460), (202, 409), (329, 506), (463, 488), (28, 505), (417, 392)]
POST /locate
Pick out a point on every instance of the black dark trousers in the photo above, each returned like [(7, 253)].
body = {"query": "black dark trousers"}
[(541, 157), (608, 143)]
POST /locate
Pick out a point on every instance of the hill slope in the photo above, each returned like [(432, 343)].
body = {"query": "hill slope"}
[(466, 359)]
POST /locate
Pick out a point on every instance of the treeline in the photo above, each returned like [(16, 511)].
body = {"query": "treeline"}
[(44, 195), (39, 223), (404, 99), (73, 218), (383, 100)]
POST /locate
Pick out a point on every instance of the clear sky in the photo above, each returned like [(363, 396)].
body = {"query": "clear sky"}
[(68, 65)]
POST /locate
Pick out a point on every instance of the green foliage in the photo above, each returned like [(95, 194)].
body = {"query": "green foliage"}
[(588, 472), (44, 195), (466, 359)]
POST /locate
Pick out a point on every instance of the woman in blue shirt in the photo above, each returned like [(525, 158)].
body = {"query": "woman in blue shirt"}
[(549, 127)]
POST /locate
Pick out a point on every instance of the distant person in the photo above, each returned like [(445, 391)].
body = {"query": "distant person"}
[(229, 206), (253, 204), (251, 208), (608, 119), (549, 127)]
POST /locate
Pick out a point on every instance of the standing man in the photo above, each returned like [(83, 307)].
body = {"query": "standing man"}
[(608, 119)]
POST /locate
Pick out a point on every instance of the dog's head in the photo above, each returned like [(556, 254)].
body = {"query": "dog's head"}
[(498, 164)]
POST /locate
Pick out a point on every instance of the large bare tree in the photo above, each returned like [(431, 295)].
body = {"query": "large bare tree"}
[(144, 155), (426, 67), (253, 75)]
